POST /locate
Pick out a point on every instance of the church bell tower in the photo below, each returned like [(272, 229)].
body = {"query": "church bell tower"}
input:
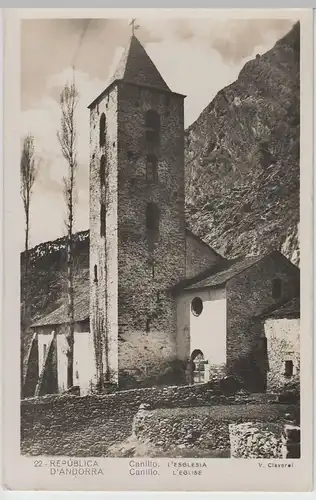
[(137, 221)]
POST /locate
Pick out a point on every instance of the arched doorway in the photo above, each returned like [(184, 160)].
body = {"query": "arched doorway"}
[(198, 366)]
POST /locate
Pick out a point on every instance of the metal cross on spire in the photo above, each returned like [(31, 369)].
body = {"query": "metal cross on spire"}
[(134, 26)]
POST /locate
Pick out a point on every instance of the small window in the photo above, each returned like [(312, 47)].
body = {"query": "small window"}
[(197, 306), (152, 125), (288, 372), (102, 131), (153, 269), (276, 288), (44, 350), (102, 171), (152, 217), (95, 273), (151, 168), (147, 325), (102, 220)]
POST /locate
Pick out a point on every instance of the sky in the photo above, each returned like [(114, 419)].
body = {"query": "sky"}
[(196, 57)]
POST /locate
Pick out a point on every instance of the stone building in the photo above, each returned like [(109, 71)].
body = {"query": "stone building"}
[(281, 328), (157, 295), (219, 316)]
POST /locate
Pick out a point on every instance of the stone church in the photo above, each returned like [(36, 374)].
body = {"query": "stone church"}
[(158, 297)]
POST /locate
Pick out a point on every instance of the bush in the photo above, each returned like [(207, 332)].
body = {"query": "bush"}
[(230, 385)]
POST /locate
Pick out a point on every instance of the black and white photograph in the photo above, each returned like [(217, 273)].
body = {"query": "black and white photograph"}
[(160, 248)]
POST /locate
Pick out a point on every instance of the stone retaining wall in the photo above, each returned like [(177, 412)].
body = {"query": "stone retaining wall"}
[(181, 429), (263, 440), (291, 442), (87, 426), (256, 440), (52, 424), (211, 428)]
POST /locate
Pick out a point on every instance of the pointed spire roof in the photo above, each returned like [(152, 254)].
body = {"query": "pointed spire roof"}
[(136, 67)]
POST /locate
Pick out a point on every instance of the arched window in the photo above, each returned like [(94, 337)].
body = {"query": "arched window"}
[(276, 288), (152, 217), (102, 130), (95, 271), (102, 219), (102, 171), (152, 125), (151, 168)]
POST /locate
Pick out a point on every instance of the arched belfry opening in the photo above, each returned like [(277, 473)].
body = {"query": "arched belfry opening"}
[(152, 126), (102, 130), (102, 171)]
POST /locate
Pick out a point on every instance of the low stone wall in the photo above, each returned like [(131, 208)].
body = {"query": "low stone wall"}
[(88, 425), (211, 428), (264, 440), (256, 440), (184, 428), (291, 442)]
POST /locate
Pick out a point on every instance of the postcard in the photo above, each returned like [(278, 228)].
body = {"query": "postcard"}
[(158, 201)]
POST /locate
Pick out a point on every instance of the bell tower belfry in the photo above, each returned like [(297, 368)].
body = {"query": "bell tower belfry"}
[(137, 221)]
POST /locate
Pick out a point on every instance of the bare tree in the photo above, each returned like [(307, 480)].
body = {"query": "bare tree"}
[(28, 175), (67, 136)]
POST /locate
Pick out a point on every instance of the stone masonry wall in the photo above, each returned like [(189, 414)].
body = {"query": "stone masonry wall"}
[(198, 255), (256, 440), (211, 428), (103, 249), (283, 343), (155, 358), (248, 295), (149, 263)]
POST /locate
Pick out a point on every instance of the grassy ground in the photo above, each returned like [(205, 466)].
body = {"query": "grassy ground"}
[(133, 448)]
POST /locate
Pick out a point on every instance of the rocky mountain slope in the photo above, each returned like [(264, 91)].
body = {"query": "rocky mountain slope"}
[(242, 158), (47, 283)]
